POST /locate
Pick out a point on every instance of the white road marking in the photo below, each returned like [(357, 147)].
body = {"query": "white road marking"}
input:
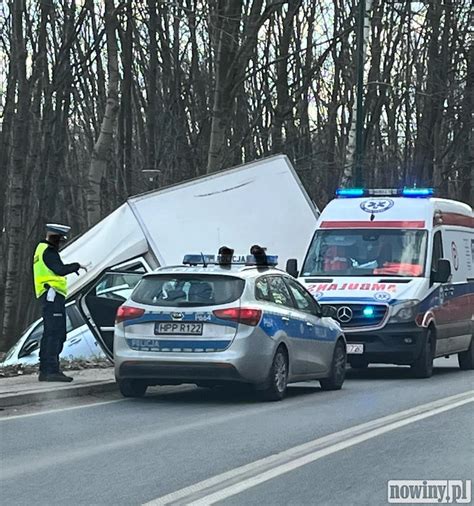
[(80, 406), (17, 466), (57, 410), (242, 478)]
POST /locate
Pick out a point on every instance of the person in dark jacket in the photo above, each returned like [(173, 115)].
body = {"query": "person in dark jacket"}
[(50, 281)]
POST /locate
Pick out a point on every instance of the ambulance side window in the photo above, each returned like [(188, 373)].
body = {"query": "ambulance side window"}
[(437, 251)]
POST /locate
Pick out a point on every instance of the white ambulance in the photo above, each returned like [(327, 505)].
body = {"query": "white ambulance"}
[(396, 268)]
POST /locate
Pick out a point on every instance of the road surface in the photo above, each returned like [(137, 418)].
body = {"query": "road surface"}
[(185, 445)]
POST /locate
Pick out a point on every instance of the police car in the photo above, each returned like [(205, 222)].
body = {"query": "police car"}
[(397, 267), (211, 321)]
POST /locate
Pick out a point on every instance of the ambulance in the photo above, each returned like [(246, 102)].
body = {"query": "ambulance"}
[(396, 269)]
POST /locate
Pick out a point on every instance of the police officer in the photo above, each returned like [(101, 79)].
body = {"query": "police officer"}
[(51, 288)]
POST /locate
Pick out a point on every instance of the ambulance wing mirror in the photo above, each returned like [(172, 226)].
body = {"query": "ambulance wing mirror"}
[(292, 267), (442, 272)]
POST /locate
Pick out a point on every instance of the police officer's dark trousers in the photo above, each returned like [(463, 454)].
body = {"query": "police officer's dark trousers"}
[(54, 333)]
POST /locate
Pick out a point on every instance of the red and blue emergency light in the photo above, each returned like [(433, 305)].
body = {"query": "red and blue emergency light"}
[(200, 259), (384, 192)]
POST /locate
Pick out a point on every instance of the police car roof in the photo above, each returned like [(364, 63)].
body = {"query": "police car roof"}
[(241, 270)]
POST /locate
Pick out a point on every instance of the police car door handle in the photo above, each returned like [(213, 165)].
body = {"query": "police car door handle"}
[(286, 319), (309, 324)]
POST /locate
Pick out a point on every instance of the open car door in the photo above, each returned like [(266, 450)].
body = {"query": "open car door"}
[(99, 302)]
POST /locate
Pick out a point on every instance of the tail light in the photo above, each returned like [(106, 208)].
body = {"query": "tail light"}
[(247, 316), (128, 313)]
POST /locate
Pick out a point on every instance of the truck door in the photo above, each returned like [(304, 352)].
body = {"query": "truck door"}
[(101, 299)]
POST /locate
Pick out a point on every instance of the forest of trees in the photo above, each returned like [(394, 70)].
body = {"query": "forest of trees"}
[(95, 92)]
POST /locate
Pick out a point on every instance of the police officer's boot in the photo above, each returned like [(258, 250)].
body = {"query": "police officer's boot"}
[(55, 376)]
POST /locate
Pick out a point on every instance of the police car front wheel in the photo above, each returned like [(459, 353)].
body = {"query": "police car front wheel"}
[(338, 369)]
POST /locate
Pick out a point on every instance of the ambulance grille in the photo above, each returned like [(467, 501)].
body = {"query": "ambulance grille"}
[(357, 316)]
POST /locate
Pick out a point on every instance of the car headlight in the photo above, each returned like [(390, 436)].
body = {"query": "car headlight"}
[(404, 311)]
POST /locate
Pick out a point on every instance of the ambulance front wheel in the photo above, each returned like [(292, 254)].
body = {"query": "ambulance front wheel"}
[(466, 358), (358, 362), (423, 366)]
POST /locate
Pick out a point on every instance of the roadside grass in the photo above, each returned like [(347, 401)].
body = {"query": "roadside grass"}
[(10, 371)]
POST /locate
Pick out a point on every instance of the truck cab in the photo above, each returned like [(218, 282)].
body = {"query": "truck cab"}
[(396, 269)]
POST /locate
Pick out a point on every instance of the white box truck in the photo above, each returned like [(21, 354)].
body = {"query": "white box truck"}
[(262, 202)]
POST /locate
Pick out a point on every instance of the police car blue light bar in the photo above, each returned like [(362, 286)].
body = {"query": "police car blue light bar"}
[(255, 260), (198, 259), (384, 192)]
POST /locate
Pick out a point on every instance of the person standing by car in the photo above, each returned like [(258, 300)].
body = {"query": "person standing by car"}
[(50, 282)]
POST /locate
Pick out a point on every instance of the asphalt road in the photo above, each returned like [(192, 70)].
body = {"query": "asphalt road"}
[(315, 447)]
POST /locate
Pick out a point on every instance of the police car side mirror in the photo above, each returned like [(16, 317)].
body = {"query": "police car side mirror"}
[(292, 267), (442, 272), (328, 311)]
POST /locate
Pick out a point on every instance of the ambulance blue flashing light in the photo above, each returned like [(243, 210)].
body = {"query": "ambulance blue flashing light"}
[(368, 311), (417, 192), (349, 193)]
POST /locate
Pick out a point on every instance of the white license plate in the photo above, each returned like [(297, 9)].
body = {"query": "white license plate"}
[(355, 349), (179, 328)]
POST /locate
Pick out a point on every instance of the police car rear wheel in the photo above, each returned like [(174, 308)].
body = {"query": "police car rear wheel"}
[(338, 369), (466, 358), (423, 367), (276, 384), (132, 387)]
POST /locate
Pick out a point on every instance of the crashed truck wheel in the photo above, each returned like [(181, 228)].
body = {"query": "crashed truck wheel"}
[(132, 387)]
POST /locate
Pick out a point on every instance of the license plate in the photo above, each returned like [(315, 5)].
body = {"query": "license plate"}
[(355, 349), (178, 328)]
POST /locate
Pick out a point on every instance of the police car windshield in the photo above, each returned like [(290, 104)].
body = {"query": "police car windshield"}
[(188, 290), (366, 253)]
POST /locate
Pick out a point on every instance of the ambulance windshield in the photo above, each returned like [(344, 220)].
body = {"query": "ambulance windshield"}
[(366, 253)]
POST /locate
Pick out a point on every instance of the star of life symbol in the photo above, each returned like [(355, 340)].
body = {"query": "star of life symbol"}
[(376, 205)]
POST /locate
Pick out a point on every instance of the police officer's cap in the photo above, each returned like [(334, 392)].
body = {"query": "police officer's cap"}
[(56, 229)]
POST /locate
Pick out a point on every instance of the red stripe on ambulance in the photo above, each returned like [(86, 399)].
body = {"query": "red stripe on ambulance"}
[(373, 224)]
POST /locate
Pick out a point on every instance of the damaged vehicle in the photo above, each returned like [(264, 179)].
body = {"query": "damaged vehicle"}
[(262, 202)]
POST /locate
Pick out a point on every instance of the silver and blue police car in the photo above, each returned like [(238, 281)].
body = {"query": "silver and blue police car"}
[(211, 322)]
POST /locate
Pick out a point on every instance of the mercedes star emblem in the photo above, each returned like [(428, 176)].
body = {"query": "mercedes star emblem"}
[(344, 314)]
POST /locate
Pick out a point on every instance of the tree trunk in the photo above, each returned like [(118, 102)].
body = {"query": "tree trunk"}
[(103, 144), (351, 142), (15, 181)]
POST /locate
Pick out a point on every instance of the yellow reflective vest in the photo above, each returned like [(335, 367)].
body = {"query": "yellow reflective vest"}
[(45, 276)]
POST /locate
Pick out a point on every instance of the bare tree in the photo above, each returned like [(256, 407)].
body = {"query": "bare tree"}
[(101, 151)]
